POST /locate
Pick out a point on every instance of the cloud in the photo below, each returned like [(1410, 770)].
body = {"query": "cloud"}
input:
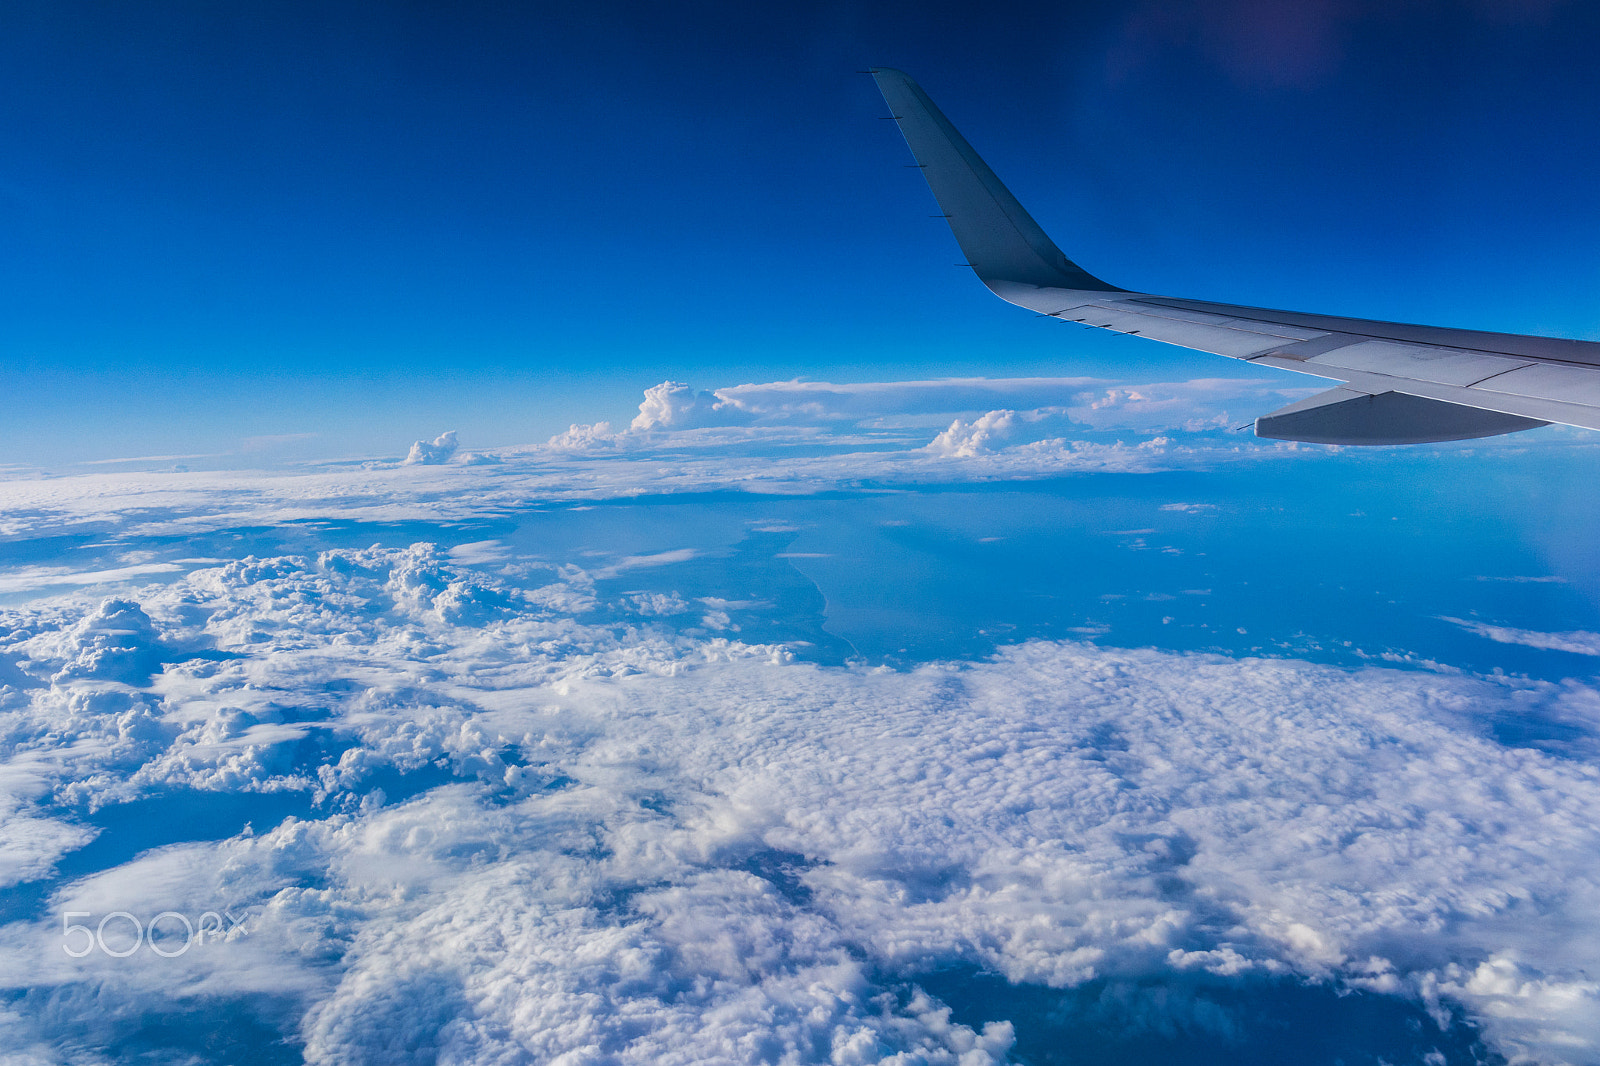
[(997, 430), (505, 807), (672, 405), (635, 562), (30, 578), (31, 845), (431, 453), (520, 833), (1578, 642), (963, 439), (583, 438), (658, 604), (1196, 406), (827, 401), (116, 642), (148, 459), (995, 409), (1525, 580), (777, 438), (479, 552)]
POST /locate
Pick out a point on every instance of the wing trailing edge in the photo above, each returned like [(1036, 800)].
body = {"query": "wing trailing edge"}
[(1344, 416)]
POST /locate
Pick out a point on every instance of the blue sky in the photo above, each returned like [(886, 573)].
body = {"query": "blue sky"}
[(372, 222)]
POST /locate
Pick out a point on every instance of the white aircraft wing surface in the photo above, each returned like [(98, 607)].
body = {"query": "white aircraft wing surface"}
[(1402, 384)]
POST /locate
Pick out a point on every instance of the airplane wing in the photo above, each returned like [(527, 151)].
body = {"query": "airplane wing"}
[(1402, 384)]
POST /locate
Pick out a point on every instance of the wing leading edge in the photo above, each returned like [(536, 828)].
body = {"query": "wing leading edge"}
[(1402, 384)]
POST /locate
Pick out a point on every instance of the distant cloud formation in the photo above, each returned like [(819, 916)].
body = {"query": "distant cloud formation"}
[(964, 439), (783, 437), (578, 438), (980, 416), (1579, 642), (822, 401), (674, 405), (995, 431), (431, 453)]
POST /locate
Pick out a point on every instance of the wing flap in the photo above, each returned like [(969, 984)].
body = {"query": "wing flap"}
[(1538, 408), (1547, 381), (1345, 416), (1443, 365)]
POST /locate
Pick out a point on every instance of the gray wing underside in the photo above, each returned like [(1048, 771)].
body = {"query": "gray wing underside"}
[(1401, 383)]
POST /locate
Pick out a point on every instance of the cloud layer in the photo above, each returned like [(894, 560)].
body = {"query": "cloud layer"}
[(532, 825)]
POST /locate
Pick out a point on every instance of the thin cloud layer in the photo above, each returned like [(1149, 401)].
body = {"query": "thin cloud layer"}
[(784, 437), (1578, 642)]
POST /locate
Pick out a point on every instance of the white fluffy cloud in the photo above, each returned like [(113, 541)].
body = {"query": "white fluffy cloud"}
[(964, 439), (431, 453), (996, 431), (673, 405), (546, 838)]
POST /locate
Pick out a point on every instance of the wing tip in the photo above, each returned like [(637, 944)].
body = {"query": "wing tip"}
[(1001, 241)]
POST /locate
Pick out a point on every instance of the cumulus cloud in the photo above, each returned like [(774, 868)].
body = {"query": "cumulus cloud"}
[(431, 453), (577, 438), (997, 430), (525, 834), (116, 642), (966, 439), (658, 604), (673, 405)]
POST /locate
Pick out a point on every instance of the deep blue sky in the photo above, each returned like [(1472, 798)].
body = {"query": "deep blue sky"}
[(376, 221)]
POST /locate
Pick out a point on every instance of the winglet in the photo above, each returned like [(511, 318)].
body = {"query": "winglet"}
[(1002, 242)]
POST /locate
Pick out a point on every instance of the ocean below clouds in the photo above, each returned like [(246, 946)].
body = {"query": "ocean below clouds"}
[(980, 721)]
